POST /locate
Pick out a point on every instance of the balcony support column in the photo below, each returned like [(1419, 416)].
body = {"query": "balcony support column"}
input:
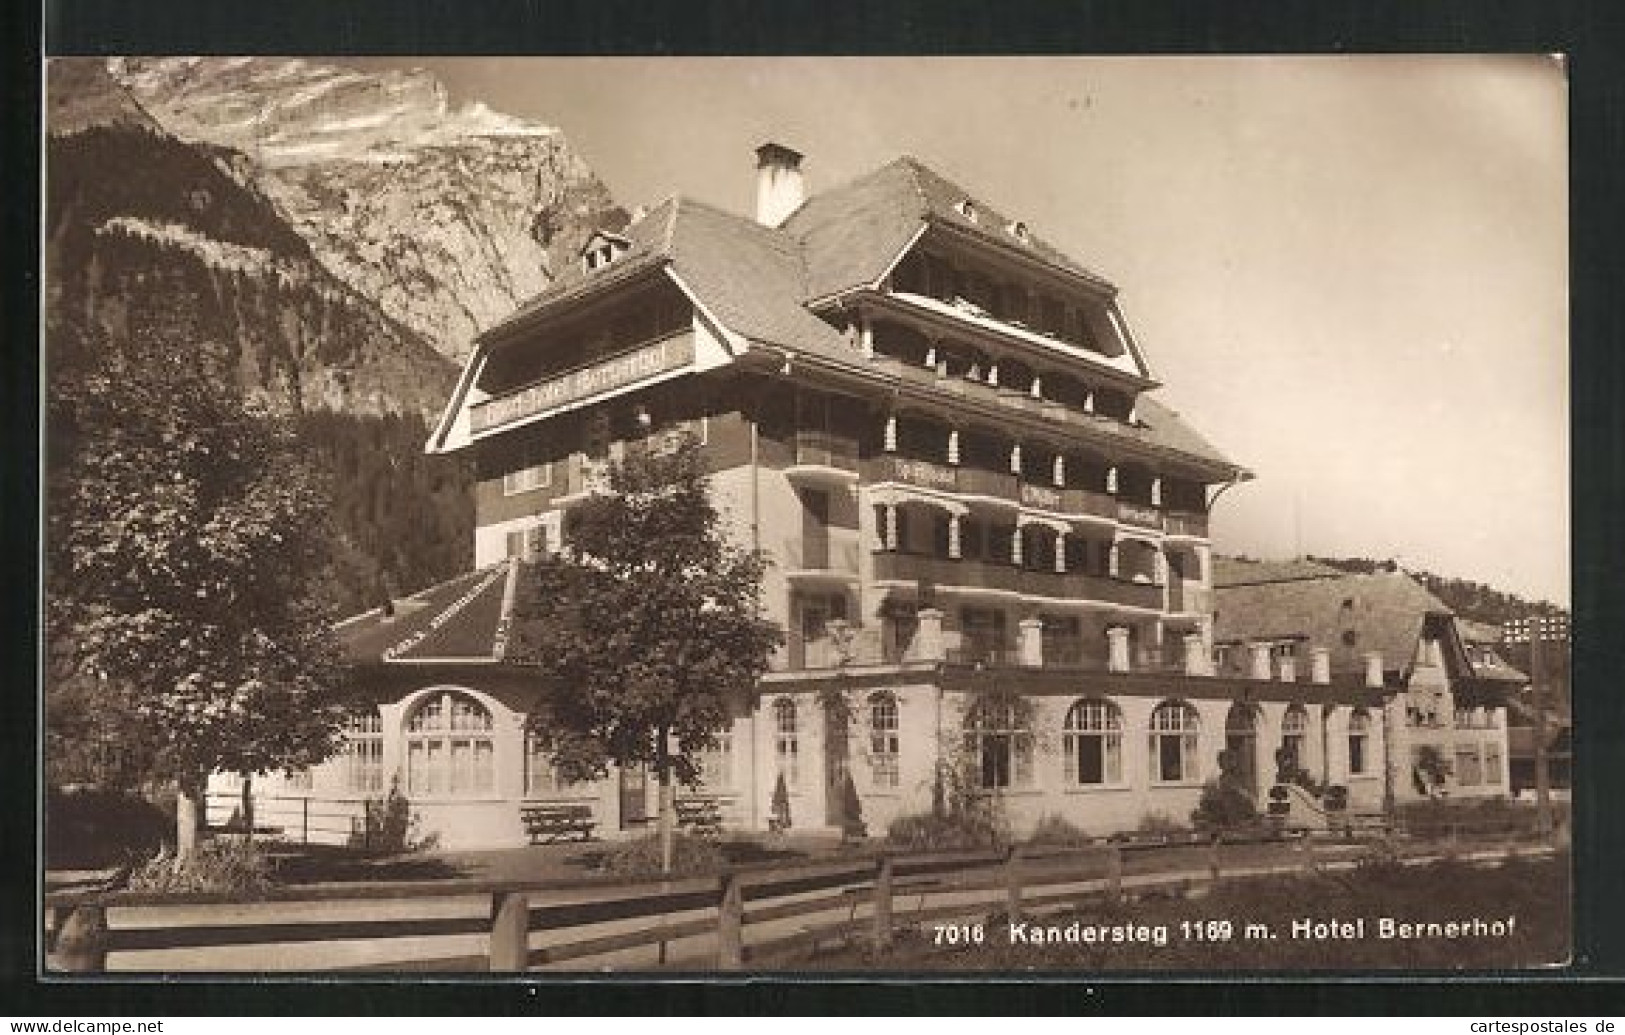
[(1031, 643), (891, 525), (1114, 562), (1320, 665), (1260, 661), (1156, 492), (866, 337), (1111, 481), (1038, 386), (1015, 458), (1117, 649), (1015, 547), (928, 638), (954, 534), (890, 442), (953, 446), (1197, 660), (993, 373), (1060, 553), (1088, 401), (931, 355), (1058, 475)]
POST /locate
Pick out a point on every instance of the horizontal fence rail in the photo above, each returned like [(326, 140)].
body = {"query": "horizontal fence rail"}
[(855, 898)]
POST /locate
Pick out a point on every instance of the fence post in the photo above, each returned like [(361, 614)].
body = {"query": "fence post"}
[(1306, 858), (1012, 883), (730, 923), (510, 932), (883, 879), (1114, 872), (1213, 857), (81, 940), (304, 822)]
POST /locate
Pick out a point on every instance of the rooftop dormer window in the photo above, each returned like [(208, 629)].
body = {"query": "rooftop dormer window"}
[(967, 208), (1018, 230), (602, 249)]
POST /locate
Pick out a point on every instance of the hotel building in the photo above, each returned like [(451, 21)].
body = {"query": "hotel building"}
[(945, 436)]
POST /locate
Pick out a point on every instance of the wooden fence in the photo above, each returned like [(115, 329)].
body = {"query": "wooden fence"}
[(783, 909)]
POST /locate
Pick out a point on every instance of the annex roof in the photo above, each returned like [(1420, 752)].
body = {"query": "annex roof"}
[(1242, 571), (1352, 615), (462, 620)]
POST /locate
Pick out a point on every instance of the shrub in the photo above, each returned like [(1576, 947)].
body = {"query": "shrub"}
[(690, 855), (779, 817), (231, 864), (94, 828), (389, 826), (926, 832), (1223, 806), (852, 824), (1160, 823), (1057, 831)]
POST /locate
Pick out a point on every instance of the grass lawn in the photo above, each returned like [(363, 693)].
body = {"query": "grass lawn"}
[(1524, 905)]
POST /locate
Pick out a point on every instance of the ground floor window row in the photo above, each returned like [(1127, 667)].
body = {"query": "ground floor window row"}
[(448, 747)]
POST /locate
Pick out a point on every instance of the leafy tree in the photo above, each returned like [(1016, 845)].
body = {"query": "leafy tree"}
[(183, 532), (645, 630)]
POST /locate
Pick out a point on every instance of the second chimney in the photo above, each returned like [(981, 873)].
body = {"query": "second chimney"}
[(779, 189)]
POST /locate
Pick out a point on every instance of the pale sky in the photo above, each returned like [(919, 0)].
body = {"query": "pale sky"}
[(1350, 273)]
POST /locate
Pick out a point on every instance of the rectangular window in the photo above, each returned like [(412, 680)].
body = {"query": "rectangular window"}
[(1357, 754), (1468, 770), (1492, 764), (716, 765)]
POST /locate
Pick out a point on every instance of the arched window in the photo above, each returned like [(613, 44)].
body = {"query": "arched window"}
[(1294, 737), (883, 742), (1000, 742), (1359, 736), (785, 745), (1175, 727), (1093, 743), (364, 754), (449, 750)]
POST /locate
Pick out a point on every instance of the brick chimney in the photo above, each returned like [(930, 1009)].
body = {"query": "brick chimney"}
[(779, 188)]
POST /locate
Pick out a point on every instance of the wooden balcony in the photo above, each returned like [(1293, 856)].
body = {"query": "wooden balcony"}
[(823, 457), (1179, 523), (991, 575)]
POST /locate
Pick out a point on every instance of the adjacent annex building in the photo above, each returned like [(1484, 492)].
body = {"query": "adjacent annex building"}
[(1449, 689), (944, 434)]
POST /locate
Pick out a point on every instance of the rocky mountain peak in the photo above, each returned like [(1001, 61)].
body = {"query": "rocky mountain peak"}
[(448, 216)]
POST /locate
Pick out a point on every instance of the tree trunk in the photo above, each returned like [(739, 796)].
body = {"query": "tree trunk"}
[(188, 817), (668, 804)]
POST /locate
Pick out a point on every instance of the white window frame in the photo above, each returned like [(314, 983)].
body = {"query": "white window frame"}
[(437, 729), (885, 755), (1295, 733), (528, 479), (1002, 730), (364, 754), (1097, 719), (717, 763), (787, 741), (1177, 725), (1360, 733)]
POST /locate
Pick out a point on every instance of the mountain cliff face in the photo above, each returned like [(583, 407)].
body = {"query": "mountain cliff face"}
[(152, 239), (447, 217), (148, 235)]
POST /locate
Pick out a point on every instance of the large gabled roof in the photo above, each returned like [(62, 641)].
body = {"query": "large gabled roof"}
[(757, 281), (1351, 615), (854, 233)]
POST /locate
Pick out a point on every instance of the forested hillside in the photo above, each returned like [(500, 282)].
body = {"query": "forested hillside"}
[(1468, 599)]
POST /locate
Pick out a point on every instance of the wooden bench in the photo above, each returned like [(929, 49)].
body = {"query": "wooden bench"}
[(545, 824), (703, 816)]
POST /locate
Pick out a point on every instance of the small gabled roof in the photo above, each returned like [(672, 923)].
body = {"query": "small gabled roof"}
[(1352, 615), (1241, 571), (854, 233)]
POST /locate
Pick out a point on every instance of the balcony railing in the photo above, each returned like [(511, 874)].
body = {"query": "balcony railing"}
[(1183, 523), (822, 449), (837, 556), (946, 571)]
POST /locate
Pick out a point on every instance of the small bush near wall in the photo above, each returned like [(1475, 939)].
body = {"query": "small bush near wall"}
[(1223, 806), (1056, 831), (927, 832), (390, 827), (231, 864), (690, 856), (1160, 823)]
